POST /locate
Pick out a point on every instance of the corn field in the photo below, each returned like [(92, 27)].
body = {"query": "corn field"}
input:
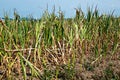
[(86, 47)]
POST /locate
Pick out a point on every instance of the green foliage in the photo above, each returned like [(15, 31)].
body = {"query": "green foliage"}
[(53, 39)]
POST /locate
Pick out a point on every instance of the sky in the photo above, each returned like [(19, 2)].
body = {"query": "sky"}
[(36, 8)]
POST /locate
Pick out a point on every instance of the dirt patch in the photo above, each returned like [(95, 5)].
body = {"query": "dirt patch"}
[(106, 68)]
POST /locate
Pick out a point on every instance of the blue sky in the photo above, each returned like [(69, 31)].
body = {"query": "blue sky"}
[(37, 7)]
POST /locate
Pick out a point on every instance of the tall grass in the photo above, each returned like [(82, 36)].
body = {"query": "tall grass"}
[(48, 48)]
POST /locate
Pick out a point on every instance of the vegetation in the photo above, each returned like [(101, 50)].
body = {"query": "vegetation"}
[(56, 48)]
